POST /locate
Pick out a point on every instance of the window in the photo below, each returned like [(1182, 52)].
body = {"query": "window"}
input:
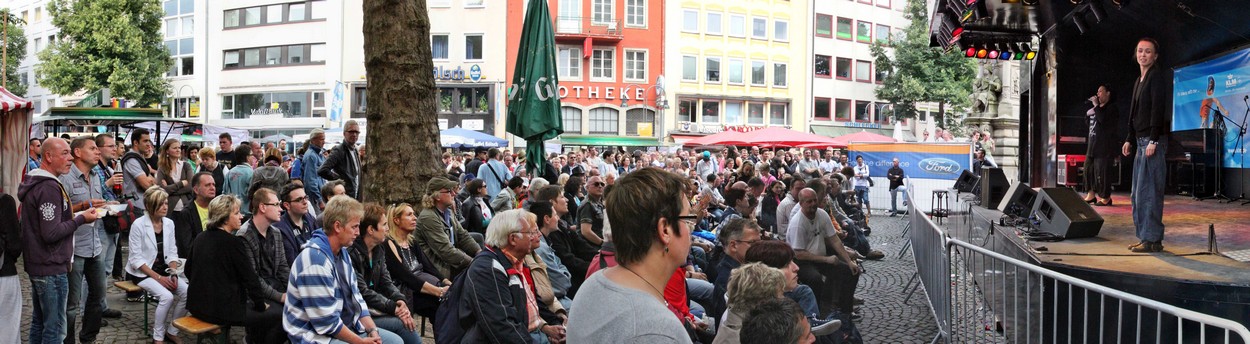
[(883, 3), (251, 16), (602, 65), (778, 114), (268, 14), (179, 24), (713, 69), (464, 100), (686, 109), (757, 73), (472, 47), (232, 18), (569, 63), (779, 74), (844, 68), (863, 111), (713, 23), (883, 34), (842, 110), (289, 105), (603, 12), (284, 55), (821, 66), (38, 44), (737, 25), (883, 112), (636, 65), (689, 68), (636, 116), (711, 112), (38, 16), (824, 25), (360, 98), (880, 75), (273, 14), (569, 19), (297, 12), (863, 71), (733, 113), (863, 32), (636, 13), (604, 121), (735, 71), (820, 109), (781, 30), (572, 119), (759, 28), (474, 3), (755, 113), (844, 28), (690, 21), (319, 10), (439, 46)]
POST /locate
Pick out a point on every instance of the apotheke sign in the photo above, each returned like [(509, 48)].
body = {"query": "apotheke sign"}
[(474, 73)]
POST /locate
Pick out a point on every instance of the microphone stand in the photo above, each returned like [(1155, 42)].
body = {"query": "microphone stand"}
[(1222, 127), (1241, 144)]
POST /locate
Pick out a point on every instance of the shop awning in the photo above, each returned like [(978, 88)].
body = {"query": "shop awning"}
[(835, 131), (597, 140)]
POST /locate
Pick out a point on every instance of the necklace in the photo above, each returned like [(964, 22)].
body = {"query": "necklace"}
[(644, 280)]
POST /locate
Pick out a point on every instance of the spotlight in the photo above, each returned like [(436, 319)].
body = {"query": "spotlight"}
[(972, 51), (1096, 9), (981, 53), (1006, 55), (993, 54), (1081, 26), (1030, 55), (1019, 56)]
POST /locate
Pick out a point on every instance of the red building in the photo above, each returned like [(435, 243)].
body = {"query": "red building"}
[(610, 55)]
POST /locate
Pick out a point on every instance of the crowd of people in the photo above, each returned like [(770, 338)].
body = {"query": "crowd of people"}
[(600, 247)]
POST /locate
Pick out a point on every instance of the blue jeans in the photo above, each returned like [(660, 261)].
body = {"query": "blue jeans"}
[(109, 241), (49, 295), (699, 290), (92, 270), (388, 337), (806, 299), (1149, 177), (396, 327), (894, 198), (862, 193)]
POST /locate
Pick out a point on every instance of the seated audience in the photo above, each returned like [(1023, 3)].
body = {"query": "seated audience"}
[(153, 262), (748, 286), (834, 276), (735, 237), (574, 252), (264, 245), (413, 273), (558, 275), (477, 213), (776, 321), (387, 305), (499, 288), (324, 302), (297, 224), (439, 235), (193, 219), (221, 276)]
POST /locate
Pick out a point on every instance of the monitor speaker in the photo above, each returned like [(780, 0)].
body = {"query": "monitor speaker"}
[(1018, 200), (992, 187), (967, 181), (1060, 211)]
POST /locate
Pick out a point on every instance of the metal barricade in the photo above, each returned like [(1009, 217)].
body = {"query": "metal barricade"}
[(927, 242)]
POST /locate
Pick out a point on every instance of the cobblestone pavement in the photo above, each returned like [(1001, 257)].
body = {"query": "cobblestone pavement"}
[(887, 318)]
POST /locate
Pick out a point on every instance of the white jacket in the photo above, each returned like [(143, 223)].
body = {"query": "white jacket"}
[(143, 245)]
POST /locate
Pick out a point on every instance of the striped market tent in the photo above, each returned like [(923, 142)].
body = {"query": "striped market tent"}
[(15, 119)]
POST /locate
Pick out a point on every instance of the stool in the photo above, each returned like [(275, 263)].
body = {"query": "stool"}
[(131, 287), (940, 205), (203, 331)]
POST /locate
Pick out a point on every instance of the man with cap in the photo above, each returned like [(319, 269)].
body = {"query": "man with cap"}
[(706, 165), (448, 245)]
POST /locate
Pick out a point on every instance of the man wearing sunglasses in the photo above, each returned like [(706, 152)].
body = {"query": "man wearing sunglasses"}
[(736, 236), (590, 214), (344, 161)]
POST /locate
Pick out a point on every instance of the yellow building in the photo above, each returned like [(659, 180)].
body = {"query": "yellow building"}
[(736, 65)]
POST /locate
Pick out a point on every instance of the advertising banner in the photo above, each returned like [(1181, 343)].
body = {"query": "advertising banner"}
[(1213, 94), (942, 161)]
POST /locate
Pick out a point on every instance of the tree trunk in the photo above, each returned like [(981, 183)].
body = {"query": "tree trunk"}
[(403, 150)]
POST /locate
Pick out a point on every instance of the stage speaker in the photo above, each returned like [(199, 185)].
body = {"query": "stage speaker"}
[(1060, 211), (967, 181), (992, 187), (1018, 200)]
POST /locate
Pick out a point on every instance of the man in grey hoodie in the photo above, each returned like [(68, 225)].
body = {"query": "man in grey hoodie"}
[(48, 227)]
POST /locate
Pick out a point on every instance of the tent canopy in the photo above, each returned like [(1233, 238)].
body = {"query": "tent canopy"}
[(766, 137), (463, 138), (861, 137), (14, 136)]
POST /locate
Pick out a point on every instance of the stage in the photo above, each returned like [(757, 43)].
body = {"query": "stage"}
[(1184, 274)]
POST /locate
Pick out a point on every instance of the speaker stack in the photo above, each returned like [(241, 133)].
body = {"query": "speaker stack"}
[(993, 185), (1060, 211), (967, 181), (1018, 201)]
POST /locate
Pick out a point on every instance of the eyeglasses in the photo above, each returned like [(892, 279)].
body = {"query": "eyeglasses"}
[(598, 184), (749, 242), (690, 220), (298, 200), (529, 233), (275, 204), (353, 131)]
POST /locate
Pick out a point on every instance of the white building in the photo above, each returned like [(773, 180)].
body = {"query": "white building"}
[(843, 71), (39, 32)]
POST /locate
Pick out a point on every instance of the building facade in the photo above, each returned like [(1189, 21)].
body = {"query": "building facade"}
[(736, 66), (40, 33), (610, 57), (843, 72)]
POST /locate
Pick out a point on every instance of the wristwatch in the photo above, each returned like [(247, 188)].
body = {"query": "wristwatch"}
[(1154, 143), (370, 331)]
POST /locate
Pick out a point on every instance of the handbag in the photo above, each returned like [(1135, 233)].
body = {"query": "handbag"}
[(121, 221)]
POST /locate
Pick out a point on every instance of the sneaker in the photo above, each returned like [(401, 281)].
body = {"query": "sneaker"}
[(858, 301), (823, 327), (875, 255), (857, 315), (111, 313)]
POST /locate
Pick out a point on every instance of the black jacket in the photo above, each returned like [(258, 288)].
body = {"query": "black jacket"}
[(474, 218), (373, 279), (574, 252), (187, 226), (496, 301), (339, 167), (10, 232), (221, 280), (219, 176), (403, 277), (895, 174), (1149, 113), (1103, 141)]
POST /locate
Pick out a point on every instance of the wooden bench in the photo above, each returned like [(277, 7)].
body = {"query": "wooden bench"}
[(131, 287), (203, 331)]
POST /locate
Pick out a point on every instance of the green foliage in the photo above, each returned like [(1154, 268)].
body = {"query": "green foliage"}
[(107, 43), (919, 73), (15, 40)]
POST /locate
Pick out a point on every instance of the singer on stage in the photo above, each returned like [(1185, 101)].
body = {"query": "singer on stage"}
[(1149, 125), (1100, 146)]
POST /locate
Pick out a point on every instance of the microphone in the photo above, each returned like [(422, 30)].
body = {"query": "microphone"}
[(1246, 98)]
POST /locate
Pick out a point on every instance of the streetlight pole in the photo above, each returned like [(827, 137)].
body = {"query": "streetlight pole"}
[(173, 101), (661, 104)]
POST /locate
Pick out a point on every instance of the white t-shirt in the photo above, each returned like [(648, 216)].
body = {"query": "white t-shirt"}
[(809, 234)]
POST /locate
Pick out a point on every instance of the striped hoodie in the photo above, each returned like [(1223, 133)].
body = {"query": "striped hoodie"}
[(315, 306)]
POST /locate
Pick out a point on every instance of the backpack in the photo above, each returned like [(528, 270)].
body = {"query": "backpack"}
[(453, 317), (10, 230)]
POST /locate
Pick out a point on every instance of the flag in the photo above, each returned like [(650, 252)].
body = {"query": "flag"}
[(533, 97)]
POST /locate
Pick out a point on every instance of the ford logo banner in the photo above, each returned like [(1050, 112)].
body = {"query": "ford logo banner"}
[(940, 166)]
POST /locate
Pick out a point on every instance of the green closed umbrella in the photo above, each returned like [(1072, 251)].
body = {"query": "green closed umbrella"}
[(533, 98)]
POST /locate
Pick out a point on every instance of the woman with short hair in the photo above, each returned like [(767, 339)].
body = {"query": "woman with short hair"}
[(749, 285), (154, 263)]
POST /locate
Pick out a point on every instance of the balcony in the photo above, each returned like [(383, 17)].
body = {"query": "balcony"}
[(569, 29)]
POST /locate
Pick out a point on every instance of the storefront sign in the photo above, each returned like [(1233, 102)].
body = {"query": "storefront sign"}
[(604, 93), (474, 73), (194, 110), (473, 124), (862, 125), (644, 129)]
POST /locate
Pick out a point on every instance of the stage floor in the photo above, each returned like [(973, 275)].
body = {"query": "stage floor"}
[(1185, 241)]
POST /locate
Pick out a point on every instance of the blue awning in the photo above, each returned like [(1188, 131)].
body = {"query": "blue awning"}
[(463, 138)]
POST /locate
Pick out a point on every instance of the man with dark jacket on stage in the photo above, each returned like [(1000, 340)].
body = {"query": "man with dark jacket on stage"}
[(1149, 124)]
